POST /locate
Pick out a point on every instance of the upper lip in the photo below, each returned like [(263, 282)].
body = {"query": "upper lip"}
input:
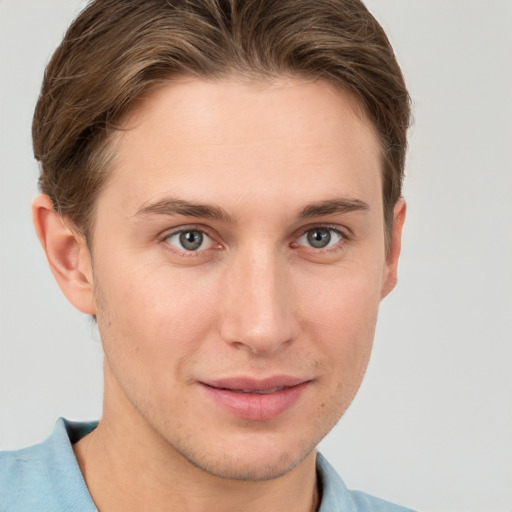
[(245, 383)]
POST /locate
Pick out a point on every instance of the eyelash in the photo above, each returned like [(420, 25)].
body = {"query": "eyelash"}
[(183, 252), (344, 239)]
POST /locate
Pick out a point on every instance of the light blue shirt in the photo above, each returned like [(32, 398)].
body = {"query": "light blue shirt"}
[(46, 477)]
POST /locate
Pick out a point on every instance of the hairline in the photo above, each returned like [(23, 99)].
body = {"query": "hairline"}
[(107, 149)]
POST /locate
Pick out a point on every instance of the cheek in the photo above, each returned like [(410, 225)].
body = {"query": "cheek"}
[(153, 316), (342, 317), (343, 300)]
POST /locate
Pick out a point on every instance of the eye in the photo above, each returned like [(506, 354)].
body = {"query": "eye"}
[(190, 240), (320, 238)]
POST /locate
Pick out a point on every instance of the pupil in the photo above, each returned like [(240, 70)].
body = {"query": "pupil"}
[(191, 240), (319, 238)]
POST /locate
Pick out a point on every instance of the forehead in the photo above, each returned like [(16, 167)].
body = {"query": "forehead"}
[(192, 137)]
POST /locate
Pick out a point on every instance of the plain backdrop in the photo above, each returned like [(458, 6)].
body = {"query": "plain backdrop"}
[(432, 424)]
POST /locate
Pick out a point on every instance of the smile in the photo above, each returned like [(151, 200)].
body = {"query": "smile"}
[(257, 391), (255, 400)]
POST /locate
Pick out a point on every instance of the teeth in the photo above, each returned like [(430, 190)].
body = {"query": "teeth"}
[(262, 391), (257, 391)]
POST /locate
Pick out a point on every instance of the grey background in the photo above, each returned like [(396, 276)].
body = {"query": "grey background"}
[(431, 426)]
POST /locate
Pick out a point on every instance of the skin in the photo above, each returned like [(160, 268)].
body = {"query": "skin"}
[(256, 299)]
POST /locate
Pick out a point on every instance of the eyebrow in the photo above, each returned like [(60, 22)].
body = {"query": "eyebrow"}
[(173, 206), (332, 206)]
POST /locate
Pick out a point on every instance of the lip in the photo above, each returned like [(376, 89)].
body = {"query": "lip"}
[(256, 399)]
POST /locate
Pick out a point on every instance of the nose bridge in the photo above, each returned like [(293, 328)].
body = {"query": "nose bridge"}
[(258, 308)]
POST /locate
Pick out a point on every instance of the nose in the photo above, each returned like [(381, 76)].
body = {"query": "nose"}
[(257, 303)]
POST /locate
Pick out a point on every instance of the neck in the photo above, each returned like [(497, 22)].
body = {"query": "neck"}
[(128, 466)]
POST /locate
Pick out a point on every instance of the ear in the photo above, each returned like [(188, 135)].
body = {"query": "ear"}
[(67, 254), (389, 278)]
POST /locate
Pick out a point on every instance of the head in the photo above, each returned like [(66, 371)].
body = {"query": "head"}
[(222, 184), (117, 50)]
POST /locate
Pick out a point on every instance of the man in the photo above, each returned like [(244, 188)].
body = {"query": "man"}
[(221, 191)]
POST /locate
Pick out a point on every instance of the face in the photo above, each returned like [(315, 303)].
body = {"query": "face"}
[(238, 265)]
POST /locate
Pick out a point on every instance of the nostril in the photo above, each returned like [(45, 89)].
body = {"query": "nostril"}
[(256, 309), (258, 345)]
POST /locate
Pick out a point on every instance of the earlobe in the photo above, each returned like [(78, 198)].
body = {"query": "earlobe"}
[(391, 270), (67, 254)]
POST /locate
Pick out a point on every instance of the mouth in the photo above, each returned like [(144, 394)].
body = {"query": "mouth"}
[(256, 399), (255, 391)]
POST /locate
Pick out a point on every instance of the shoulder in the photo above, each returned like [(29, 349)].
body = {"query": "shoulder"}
[(23, 480), (44, 476), (367, 503), (336, 497)]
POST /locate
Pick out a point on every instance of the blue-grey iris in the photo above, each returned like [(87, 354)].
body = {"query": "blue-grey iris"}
[(319, 238), (191, 240)]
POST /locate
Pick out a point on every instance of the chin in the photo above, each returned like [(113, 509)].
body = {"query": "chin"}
[(243, 464)]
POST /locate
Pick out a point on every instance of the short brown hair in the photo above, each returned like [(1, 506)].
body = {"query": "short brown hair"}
[(116, 50)]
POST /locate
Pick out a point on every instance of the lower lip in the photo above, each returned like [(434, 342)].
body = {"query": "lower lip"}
[(252, 406)]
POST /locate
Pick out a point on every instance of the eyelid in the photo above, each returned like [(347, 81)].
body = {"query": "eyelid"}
[(344, 233), (184, 228)]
